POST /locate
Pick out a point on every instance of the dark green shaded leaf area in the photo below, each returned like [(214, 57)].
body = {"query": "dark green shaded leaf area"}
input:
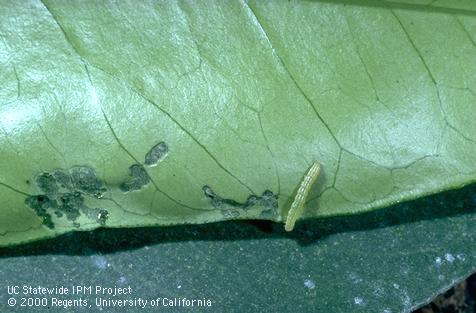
[(389, 260)]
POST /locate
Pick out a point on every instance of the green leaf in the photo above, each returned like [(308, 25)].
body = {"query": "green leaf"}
[(242, 97)]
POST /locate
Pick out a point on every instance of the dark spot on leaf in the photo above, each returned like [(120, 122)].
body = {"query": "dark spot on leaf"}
[(139, 178), (63, 179), (63, 194), (232, 202), (156, 154), (208, 192), (215, 200), (252, 200), (71, 204), (47, 221), (268, 200), (230, 213), (102, 216), (85, 179), (40, 205), (47, 183)]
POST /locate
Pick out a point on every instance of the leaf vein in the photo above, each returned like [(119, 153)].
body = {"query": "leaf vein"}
[(14, 189)]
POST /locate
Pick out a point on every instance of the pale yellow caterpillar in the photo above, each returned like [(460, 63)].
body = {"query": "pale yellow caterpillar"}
[(298, 204)]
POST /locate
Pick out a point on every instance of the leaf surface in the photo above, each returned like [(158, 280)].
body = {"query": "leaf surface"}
[(243, 96)]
